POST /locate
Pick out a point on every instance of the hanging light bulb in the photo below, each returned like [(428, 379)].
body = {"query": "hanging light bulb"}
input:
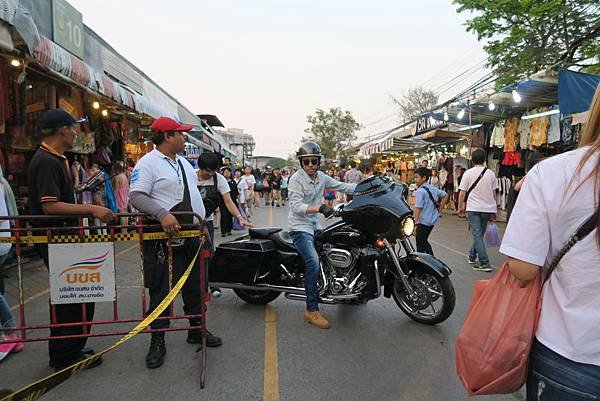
[(446, 117), (15, 62), (96, 105), (105, 113), (461, 114), (491, 106), (516, 96)]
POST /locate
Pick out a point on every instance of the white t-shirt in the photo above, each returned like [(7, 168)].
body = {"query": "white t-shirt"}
[(250, 180), (222, 187), (483, 197), (242, 185), (548, 211), (4, 224), (161, 178)]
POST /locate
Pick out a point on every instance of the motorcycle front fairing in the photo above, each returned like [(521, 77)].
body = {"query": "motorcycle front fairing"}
[(378, 207)]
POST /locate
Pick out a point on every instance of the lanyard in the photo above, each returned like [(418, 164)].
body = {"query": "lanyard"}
[(174, 169)]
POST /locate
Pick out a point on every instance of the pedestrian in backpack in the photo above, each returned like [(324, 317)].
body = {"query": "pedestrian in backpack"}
[(477, 200), (430, 200)]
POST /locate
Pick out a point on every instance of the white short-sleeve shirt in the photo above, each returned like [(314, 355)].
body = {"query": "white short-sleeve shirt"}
[(161, 178), (483, 196), (222, 187), (548, 211)]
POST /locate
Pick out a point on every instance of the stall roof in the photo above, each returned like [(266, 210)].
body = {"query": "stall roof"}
[(211, 120)]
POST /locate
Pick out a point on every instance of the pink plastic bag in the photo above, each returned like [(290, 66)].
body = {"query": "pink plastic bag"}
[(492, 348)]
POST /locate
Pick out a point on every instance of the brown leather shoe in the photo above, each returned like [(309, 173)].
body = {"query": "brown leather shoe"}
[(316, 319)]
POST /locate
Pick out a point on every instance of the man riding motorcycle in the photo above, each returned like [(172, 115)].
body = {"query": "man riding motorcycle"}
[(305, 190)]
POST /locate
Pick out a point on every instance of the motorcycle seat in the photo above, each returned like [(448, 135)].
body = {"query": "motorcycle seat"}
[(263, 232), (283, 241)]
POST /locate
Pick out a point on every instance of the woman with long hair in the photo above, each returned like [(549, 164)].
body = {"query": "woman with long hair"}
[(557, 197)]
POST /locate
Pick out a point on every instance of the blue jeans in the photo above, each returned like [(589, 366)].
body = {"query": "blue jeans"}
[(305, 244), (553, 377), (478, 222), (7, 319)]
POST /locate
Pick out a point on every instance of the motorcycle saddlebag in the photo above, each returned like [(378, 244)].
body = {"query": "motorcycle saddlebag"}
[(239, 261)]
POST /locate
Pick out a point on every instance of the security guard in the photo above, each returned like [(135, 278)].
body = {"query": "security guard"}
[(51, 192), (163, 182)]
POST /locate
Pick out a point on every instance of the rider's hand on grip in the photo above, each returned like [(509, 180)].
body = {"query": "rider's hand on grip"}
[(325, 210)]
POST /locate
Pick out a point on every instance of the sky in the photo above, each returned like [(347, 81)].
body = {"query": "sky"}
[(264, 65)]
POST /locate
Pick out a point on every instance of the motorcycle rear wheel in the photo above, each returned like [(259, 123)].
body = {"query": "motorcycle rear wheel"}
[(257, 297), (431, 289)]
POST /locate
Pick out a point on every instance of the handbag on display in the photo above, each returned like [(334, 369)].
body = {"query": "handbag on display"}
[(493, 346)]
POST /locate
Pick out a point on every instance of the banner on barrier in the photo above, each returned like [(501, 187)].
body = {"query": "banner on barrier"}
[(82, 272)]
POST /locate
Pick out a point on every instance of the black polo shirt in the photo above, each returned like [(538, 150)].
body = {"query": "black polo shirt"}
[(49, 180)]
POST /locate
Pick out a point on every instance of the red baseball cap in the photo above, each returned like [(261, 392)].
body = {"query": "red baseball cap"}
[(166, 124)]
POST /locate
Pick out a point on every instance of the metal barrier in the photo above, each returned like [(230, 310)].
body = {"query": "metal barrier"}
[(93, 246)]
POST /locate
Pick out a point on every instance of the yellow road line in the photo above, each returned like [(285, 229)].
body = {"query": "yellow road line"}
[(47, 290), (270, 217), (271, 373)]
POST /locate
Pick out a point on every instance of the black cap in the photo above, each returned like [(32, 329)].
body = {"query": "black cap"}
[(56, 118)]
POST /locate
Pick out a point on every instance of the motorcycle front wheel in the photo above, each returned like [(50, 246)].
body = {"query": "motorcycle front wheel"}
[(257, 297), (434, 300)]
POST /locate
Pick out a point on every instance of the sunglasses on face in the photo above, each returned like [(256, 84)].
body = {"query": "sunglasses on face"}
[(307, 162)]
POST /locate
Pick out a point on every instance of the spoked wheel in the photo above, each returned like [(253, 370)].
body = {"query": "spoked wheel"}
[(434, 300), (257, 297)]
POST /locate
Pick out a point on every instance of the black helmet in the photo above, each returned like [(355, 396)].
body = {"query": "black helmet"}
[(309, 148)]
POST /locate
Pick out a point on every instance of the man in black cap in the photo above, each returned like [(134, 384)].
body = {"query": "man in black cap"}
[(51, 192)]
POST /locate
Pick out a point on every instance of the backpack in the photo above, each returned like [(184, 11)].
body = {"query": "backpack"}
[(211, 197)]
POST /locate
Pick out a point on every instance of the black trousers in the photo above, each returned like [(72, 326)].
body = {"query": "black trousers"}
[(226, 221), (64, 351), (423, 245), (156, 278)]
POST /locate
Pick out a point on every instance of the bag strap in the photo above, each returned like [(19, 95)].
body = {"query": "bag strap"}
[(587, 227), (475, 183), (431, 196)]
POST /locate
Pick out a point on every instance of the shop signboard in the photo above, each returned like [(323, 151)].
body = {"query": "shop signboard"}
[(83, 272), (67, 27), (425, 124)]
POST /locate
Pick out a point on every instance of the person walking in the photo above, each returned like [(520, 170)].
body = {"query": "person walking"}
[(430, 201), (51, 192), (241, 186), (249, 192), (276, 186), (267, 179), (226, 215), (560, 194), (285, 177), (306, 196), (329, 194), (352, 176), (121, 188), (162, 182), (477, 199)]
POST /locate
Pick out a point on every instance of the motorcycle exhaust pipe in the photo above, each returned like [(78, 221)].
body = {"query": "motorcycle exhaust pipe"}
[(259, 287), (298, 297)]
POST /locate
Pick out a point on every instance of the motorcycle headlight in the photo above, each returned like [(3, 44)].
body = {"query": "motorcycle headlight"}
[(408, 226)]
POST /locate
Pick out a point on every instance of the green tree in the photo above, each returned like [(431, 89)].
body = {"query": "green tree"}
[(526, 36), (333, 130), (414, 102), (276, 162)]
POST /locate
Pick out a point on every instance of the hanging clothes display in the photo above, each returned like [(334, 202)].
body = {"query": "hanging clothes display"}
[(512, 158), (523, 132), (498, 135), (510, 134), (554, 129), (539, 128), (504, 186)]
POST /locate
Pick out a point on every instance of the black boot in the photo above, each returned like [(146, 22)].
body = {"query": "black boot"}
[(157, 351), (195, 336)]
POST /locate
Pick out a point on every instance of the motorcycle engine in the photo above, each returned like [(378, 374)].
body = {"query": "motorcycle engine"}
[(342, 269)]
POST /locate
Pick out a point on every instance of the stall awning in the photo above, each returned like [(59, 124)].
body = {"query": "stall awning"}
[(575, 91), (439, 136)]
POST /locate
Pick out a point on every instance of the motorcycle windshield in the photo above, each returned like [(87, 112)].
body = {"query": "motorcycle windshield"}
[(378, 207)]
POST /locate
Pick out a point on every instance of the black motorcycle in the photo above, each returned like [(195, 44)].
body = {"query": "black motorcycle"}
[(365, 251)]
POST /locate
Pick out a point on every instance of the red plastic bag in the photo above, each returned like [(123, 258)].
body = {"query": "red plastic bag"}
[(492, 348)]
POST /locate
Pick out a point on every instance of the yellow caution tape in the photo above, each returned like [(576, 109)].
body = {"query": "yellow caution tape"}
[(61, 239), (36, 390)]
